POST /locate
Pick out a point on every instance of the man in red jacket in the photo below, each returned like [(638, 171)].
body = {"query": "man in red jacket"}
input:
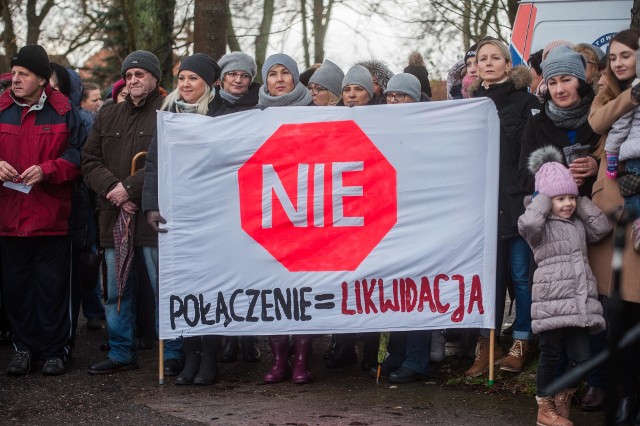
[(39, 158)]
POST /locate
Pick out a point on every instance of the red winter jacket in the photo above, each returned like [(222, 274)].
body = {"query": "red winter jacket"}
[(47, 137)]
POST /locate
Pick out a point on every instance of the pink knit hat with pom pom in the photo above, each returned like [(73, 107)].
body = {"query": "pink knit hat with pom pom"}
[(552, 176)]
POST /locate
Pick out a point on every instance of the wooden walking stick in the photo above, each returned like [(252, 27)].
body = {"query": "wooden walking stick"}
[(492, 340), (161, 362)]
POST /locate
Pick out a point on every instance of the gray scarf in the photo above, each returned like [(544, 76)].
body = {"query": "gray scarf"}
[(232, 99), (183, 107), (299, 96), (569, 118)]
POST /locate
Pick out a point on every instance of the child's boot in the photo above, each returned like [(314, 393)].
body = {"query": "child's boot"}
[(563, 402), (547, 414)]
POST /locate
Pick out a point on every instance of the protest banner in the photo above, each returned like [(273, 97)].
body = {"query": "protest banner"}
[(329, 220)]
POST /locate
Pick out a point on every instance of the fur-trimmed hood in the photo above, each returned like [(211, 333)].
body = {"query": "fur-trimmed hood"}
[(520, 76)]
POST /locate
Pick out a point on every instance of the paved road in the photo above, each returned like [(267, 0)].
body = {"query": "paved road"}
[(345, 397)]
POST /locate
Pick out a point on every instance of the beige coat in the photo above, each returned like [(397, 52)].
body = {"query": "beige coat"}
[(606, 195)]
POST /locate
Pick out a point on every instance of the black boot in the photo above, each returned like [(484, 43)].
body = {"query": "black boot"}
[(208, 372), (192, 356), (345, 353), (370, 344), (250, 350), (230, 349)]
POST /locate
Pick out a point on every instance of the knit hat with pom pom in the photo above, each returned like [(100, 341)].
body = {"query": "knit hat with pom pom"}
[(552, 176)]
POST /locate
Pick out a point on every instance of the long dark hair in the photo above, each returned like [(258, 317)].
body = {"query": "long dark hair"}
[(614, 87)]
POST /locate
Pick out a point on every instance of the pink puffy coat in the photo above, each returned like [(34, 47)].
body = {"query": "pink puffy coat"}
[(564, 292)]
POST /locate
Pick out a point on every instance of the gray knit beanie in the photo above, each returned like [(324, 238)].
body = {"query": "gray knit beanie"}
[(284, 60), (329, 76), (405, 83), (563, 60), (361, 76), (203, 65), (142, 59), (238, 61)]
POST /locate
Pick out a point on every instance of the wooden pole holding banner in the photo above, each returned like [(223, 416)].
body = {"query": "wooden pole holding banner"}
[(161, 362), (492, 341)]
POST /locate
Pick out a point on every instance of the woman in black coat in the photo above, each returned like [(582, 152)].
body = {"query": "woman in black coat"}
[(508, 89), (562, 121)]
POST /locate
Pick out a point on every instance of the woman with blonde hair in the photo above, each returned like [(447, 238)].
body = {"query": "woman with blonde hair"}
[(507, 87), (195, 94)]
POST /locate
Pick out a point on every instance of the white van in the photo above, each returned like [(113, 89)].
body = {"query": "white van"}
[(580, 21)]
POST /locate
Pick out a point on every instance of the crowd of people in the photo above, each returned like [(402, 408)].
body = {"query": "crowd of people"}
[(569, 174)]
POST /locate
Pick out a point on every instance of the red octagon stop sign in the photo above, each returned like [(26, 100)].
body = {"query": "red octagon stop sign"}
[(318, 196)]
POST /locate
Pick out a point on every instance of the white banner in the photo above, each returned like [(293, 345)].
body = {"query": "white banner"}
[(329, 219)]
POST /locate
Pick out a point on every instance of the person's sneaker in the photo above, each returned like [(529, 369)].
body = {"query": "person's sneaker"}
[(94, 323), (437, 346), (514, 362), (54, 367), (20, 364)]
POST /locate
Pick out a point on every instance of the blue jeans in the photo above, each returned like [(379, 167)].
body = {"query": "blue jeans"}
[(410, 349), (121, 325), (173, 347), (517, 252)]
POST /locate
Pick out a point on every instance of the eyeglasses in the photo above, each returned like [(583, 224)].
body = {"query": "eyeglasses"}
[(235, 75), (315, 90), (397, 96), (138, 74)]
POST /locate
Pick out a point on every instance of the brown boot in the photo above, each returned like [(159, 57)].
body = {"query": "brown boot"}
[(514, 362), (563, 402), (481, 363), (547, 414)]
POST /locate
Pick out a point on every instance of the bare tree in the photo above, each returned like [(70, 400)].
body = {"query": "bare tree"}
[(262, 39), (34, 19), (8, 35), (211, 18), (152, 24)]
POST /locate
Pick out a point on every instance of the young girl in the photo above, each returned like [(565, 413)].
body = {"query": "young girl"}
[(558, 224)]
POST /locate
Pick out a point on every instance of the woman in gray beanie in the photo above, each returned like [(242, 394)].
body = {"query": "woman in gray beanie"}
[(237, 93), (325, 84), (357, 87), (194, 94), (282, 85), (404, 88)]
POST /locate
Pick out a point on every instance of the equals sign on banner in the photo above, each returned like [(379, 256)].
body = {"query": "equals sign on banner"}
[(322, 298)]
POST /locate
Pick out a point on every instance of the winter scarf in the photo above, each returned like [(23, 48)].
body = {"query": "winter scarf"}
[(569, 118), (232, 99), (299, 96), (183, 107)]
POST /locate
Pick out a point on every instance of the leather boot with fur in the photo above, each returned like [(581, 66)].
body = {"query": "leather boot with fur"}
[(481, 363), (547, 413), (514, 362), (563, 401)]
